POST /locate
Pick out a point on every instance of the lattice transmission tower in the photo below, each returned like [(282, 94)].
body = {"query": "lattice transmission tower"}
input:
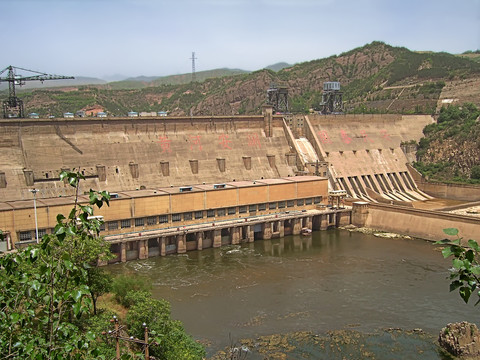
[(193, 58)]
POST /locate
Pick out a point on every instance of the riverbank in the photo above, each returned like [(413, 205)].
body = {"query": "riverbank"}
[(387, 344)]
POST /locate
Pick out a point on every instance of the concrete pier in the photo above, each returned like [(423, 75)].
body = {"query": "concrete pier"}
[(179, 240)]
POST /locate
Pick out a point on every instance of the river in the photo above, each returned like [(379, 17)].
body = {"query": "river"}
[(330, 280)]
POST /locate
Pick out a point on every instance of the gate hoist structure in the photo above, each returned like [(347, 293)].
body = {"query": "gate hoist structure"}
[(277, 96), (13, 106), (332, 98)]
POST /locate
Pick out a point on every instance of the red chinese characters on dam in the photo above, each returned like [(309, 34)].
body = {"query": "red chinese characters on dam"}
[(254, 141), (384, 134), (165, 144), (324, 138), (364, 135), (345, 138), (224, 141), (195, 143)]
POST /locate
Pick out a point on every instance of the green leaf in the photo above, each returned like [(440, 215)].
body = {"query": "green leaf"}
[(35, 285), (15, 317), (447, 252), (451, 231), (474, 245), (442, 242), (465, 293), (59, 230), (34, 253), (72, 214), (77, 309), (455, 285), (77, 295), (470, 255), (90, 336), (71, 230), (68, 264), (457, 264)]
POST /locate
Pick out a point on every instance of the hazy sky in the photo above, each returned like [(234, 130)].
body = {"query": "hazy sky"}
[(100, 38)]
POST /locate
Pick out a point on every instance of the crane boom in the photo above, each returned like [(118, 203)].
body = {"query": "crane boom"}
[(13, 106)]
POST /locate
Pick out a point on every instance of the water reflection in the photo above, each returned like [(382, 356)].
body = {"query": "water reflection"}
[(324, 281)]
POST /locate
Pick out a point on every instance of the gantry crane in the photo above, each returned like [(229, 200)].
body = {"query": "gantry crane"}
[(13, 106)]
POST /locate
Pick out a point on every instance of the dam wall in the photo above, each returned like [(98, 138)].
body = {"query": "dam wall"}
[(463, 192), (118, 154), (365, 152), (418, 223)]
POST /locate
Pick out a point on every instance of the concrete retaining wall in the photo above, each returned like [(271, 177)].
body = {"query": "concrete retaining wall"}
[(463, 192), (413, 222)]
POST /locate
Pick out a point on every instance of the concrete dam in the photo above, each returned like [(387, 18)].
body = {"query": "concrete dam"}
[(361, 154), (187, 183)]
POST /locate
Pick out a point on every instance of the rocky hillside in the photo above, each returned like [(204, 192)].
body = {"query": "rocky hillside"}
[(450, 150), (374, 78)]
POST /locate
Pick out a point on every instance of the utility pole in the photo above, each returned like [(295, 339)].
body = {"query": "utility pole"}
[(116, 333), (193, 66), (34, 192)]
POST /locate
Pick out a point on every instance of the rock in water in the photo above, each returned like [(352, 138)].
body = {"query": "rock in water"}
[(461, 339)]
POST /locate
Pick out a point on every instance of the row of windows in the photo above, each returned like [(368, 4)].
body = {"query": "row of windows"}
[(30, 235), (187, 216)]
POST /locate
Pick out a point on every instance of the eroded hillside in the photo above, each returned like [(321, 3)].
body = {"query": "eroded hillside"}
[(450, 150), (375, 78)]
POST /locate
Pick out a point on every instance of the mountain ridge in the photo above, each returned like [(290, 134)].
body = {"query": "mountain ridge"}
[(376, 77)]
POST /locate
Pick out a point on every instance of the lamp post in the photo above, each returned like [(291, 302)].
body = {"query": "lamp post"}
[(34, 192)]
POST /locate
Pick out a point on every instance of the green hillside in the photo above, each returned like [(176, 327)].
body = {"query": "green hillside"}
[(376, 77), (172, 79), (450, 149)]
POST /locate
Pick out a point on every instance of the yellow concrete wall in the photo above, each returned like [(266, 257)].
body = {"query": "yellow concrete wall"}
[(14, 221), (221, 198), (7, 219), (311, 188), (252, 195), (282, 192), (187, 202), (25, 219), (118, 209), (147, 206)]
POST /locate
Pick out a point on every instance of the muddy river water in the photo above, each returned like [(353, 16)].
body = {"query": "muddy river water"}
[(330, 280)]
